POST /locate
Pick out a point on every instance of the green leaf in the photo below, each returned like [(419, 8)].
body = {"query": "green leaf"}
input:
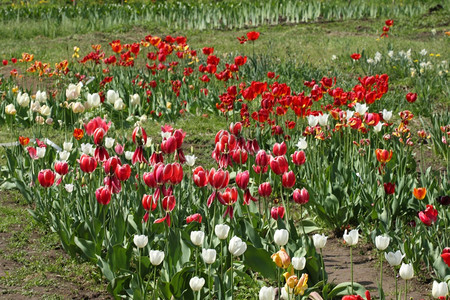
[(344, 288), (259, 260), (87, 247)]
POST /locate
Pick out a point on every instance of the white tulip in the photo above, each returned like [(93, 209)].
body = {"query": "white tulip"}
[(67, 146), (423, 52), (302, 144), (93, 100), (41, 96), (196, 283), (129, 155), (40, 120), (143, 119), (197, 237), (221, 231), (64, 155), (361, 108), (73, 91), (135, 100), (237, 247), (86, 148), (156, 257), (406, 271), (377, 57), (69, 187), (140, 240), (281, 237), (387, 115), (319, 240), (10, 109), (209, 255), (119, 105), (49, 121), (351, 238), (109, 142), (190, 160), (377, 128), (267, 293), (349, 114), (323, 119), (299, 263), (439, 289), (312, 120), (112, 96), (35, 106), (78, 107), (391, 53), (23, 99), (394, 258), (45, 110), (382, 242), (40, 152), (287, 293)]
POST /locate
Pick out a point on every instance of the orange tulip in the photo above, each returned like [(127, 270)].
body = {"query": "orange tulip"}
[(383, 156), (78, 133), (281, 259), (420, 193), (24, 140)]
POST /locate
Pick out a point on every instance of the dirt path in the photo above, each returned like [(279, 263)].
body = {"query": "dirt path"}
[(367, 271), (32, 265)]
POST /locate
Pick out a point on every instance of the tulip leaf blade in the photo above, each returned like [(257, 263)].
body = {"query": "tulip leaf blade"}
[(259, 260)]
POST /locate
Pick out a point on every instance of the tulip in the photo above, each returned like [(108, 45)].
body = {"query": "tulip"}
[(112, 96), (46, 178), (443, 200), (288, 179), (103, 195), (267, 293), (109, 142), (67, 146), (140, 240), (87, 148), (383, 156), (445, 255), (298, 158), (10, 109), (323, 120), (301, 196), (87, 164), (302, 144), (45, 111), (209, 255), (197, 237), (382, 242), (119, 105), (221, 231), (190, 160), (387, 115), (262, 159), (265, 189), (23, 99), (319, 241), (411, 97), (312, 120), (119, 149), (93, 100), (420, 193), (299, 263), (236, 246), (40, 152), (439, 289), (69, 187), (277, 212), (352, 238), (64, 155), (123, 172), (61, 167), (281, 237), (389, 188), (129, 155), (73, 91), (196, 283), (429, 215), (279, 165), (135, 100), (78, 108), (194, 218), (406, 271), (156, 257), (281, 259), (279, 149), (394, 258)]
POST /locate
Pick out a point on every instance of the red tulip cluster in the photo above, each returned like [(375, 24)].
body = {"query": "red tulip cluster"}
[(389, 24), (429, 215)]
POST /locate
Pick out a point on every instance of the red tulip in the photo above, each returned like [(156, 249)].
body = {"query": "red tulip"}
[(301, 196), (46, 178), (252, 146), (355, 56), (252, 35), (194, 218), (156, 157), (429, 215), (5, 62), (99, 133), (218, 179), (228, 198), (389, 188), (236, 128), (177, 174), (113, 183), (262, 159), (103, 195), (87, 164), (111, 164), (242, 179), (420, 193), (148, 203), (123, 172), (101, 154), (239, 156), (277, 212), (279, 165), (240, 61), (96, 123), (169, 145), (139, 136), (279, 149), (61, 167), (383, 156), (372, 119), (288, 179), (389, 23), (13, 60), (149, 179), (265, 189), (200, 177), (411, 97), (298, 158), (168, 204), (446, 255)]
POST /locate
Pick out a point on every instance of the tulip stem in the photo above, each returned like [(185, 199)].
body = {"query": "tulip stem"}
[(406, 289), (139, 269), (351, 265), (196, 261), (396, 289), (232, 283), (381, 272), (323, 267), (301, 219), (154, 283)]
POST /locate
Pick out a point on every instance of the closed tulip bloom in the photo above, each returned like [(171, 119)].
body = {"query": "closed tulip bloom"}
[(279, 149), (298, 158), (277, 212), (10, 109), (87, 164), (196, 283), (119, 105), (41, 96), (109, 142), (420, 193), (323, 120), (383, 156), (190, 160), (221, 231), (262, 159), (302, 144), (45, 111), (69, 187), (237, 247), (288, 179), (61, 167), (382, 242), (406, 271), (281, 259), (93, 100), (67, 146), (140, 240), (40, 152), (209, 255), (103, 195), (281, 237), (319, 240), (135, 100), (301, 196), (119, 149), (112, 96), (267, 293), (129, 155), (279, 165), (265, 189), (312, 120), (299, 263), (439, 289), (389, 188), (64, 155), (23, 99), (394, 258), (351, 238), (197, 237), (46, 178), (156, 257)]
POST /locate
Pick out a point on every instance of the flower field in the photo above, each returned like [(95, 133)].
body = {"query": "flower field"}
[(195, 162)]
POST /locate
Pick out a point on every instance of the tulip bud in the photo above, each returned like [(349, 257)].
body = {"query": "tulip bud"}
[(279, 149), (64, 155), (46, 178), (394, 259), (389, 188), (67, 146), (119, 149), (40, 152), (262, 159), (61, 167), (351, 238), (277, 212), (265, 189), (109, 142), (267, 293), (439, 289), (298, 158), (69, 187), (103, 195), (288, 179)]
